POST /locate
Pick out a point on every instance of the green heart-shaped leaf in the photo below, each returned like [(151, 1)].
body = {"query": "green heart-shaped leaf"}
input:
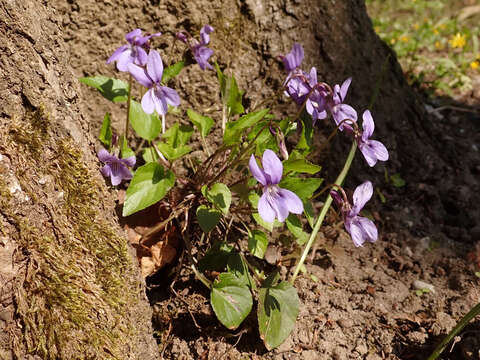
[(208, 218), (146, 126), (203, 123), (231, 300), (278, 308), (112, 89), (219, 195), (150, 184)]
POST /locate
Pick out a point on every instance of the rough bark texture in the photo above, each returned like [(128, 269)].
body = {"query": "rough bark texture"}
[(69, 286)]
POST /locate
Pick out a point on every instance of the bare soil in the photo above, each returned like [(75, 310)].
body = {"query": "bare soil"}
[(355, 303)]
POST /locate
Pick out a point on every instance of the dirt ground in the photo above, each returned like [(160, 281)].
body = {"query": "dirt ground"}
[(355, 303)]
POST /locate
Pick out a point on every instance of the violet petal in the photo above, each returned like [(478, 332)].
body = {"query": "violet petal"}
[(257, 173), (148, 102), (344, 88), (142, 57), (171, 96), (155, 66), (265, 209), (130, 37), (125, 59), (117, 53), (106, 171), (291, 200), (380, 150), (361, 195), (368, 153), (104, 156), (204, 37), (129, 161), (272, 166), (140, 75), (368, 125), (277, 203)]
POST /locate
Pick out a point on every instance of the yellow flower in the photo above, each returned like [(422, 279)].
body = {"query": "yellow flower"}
[(416, 26), (435, 31), (377, 29), (404, 39), (392, 41), (474, 65), (458, 41), (438, 45)]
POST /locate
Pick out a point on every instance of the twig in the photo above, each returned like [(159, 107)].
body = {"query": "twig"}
[(239, 335), (451, 107)]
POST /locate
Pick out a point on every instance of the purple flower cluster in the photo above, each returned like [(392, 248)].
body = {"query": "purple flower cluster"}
[(320, 99), (200, 51)]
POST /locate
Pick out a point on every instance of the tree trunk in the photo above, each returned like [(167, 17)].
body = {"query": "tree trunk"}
[(69, 285)]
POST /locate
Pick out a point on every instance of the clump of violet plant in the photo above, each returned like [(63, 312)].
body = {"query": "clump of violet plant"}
[(220, 191)]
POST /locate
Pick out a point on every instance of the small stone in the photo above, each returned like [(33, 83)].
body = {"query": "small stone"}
[(304, 337), (417, 337), (310, 355), (361, 348), (345, 323), (408, 251), (340, 353), (420, 285), (272, 255), (286, 346), (423, 244)]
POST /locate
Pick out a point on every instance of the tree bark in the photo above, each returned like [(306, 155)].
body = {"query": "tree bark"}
[(69, 286)]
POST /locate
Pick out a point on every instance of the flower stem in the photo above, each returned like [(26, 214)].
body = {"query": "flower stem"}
[(339, 181), (461, 324), (224, 117), (163, 124), (127, 122)]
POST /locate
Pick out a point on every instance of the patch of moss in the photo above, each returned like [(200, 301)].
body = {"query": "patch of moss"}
[(80, 282), (31, 132)]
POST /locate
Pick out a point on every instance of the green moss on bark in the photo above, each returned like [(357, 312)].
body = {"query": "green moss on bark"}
[(80, 283)]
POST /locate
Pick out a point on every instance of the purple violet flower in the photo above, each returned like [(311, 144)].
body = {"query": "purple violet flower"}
[(115, 168), (297, 86), (133, 52), (316, 102), (372, 150), (200, 50), (157, 97), (294, 58), (338, 109), (296, 83), (182, 37), (360, 228), (275, 201)]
